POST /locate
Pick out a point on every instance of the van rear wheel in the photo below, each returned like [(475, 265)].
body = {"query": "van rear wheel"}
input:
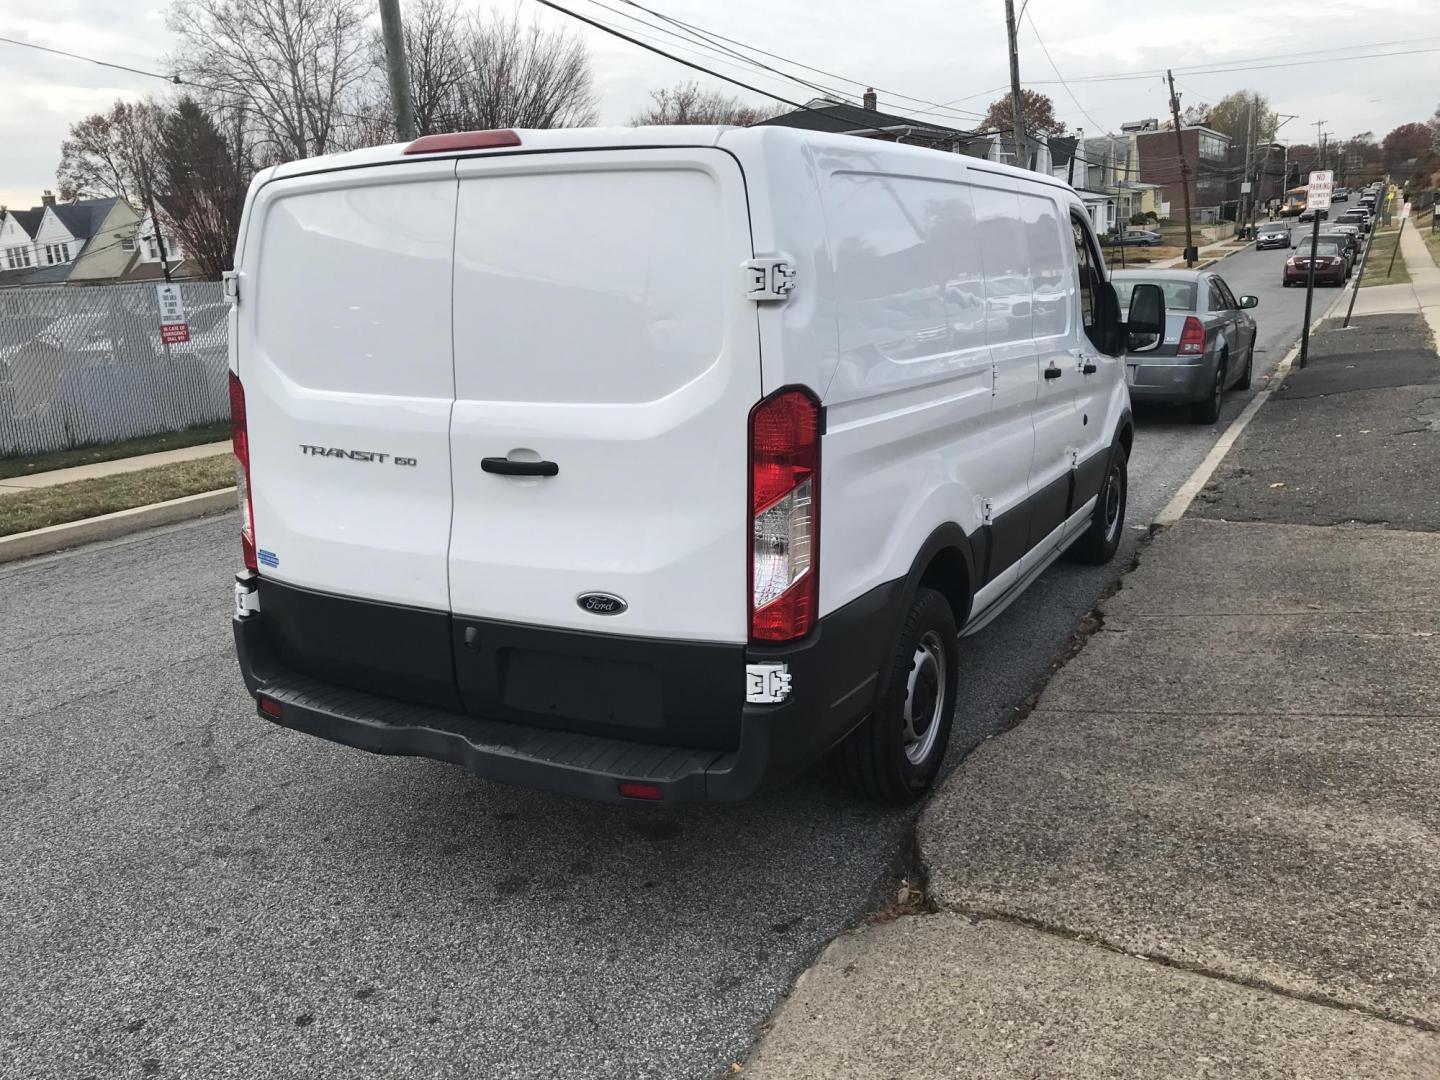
[(895, 755)]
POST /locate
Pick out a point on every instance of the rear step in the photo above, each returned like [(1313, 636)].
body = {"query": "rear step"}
[(611, 770)]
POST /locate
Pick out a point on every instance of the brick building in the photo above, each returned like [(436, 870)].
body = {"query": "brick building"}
[(1207, 153)]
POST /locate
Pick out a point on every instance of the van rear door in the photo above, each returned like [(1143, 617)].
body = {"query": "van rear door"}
[(344, 352), (601, 327)]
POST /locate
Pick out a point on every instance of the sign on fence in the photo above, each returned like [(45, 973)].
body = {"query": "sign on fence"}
[(174, 330), (1322, 183)]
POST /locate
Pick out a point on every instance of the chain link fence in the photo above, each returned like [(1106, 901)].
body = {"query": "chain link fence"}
[(85, 365)]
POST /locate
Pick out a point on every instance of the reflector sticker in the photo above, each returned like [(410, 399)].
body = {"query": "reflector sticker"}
[(766, 684), (268, 558)]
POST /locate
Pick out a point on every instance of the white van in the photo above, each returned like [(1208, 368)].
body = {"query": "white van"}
[(656, 463)]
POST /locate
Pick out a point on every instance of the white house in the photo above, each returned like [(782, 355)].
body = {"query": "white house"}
[(17, 239), (150, 242), (84, 241)]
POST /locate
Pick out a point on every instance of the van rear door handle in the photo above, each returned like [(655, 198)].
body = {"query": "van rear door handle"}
[(1053, 373), (1087, 366), (505, 467)]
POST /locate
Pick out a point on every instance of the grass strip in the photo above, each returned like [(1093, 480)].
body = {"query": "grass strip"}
[(88, 455), (107, 494), (1379, 261)]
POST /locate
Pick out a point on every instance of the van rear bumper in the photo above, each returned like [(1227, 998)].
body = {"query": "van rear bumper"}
[(776, 741)]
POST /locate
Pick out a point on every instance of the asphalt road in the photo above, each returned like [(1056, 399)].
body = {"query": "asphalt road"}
[(187, 890)]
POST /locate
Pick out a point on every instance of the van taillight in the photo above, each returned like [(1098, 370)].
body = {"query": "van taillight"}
[(784, 515), (240, 441), (1192, 338)]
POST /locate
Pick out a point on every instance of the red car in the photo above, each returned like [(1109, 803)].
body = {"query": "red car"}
[(1329, 263)]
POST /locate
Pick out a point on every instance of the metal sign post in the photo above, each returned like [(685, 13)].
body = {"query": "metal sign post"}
[(1317, 198)]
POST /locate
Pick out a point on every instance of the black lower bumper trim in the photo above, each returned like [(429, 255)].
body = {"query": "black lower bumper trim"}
[(834, 677)]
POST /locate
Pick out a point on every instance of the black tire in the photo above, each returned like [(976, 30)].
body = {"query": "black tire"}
[(1101, 539), (1208, 411), (886, 758), (1243, 383)]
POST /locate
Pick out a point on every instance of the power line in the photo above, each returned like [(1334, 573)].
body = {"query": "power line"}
[(91, 60), (701, 68), (714, 35), (1043, 48)]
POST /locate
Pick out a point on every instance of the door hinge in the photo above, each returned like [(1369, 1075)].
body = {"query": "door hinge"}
[(1074, 458), (231, 281), (986, 510), (769, 279)]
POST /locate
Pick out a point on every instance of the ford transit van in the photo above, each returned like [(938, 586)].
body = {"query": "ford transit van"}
[(658, 463)]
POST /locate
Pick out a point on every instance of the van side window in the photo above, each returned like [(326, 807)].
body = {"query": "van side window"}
[(1088, 264)]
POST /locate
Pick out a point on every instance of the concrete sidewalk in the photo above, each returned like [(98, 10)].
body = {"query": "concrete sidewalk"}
[(1420, 294), (16, 485), (1213, 847)]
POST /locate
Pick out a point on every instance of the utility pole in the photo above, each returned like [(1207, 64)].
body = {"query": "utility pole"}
[(1247, 198), (1079, 145), (1017, 118), (1320, 144), (1184, 168), (393, 33)]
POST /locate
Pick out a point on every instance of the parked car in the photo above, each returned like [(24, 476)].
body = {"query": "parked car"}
[(1331, 265), (543, 485), (1272, 234), (1208, 345), (1349, 248), (1357, 217), (1308, 214), (1136, 238), (1340, 194)]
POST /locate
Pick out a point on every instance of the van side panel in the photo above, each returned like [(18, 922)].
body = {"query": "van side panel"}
[(909, 408), (343, 329)]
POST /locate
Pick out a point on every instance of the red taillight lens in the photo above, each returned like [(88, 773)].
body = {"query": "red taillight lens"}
[(240, 441), (1192, 337), (270, 707), (464, 140), (784, 515), (632, 790)]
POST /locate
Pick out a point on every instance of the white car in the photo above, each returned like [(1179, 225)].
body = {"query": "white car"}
[(654, 464)]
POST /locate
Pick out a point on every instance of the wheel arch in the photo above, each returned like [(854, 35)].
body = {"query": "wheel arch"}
[(945, 563)]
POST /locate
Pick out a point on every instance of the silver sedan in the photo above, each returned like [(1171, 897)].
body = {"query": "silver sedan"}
[(1208, 346)]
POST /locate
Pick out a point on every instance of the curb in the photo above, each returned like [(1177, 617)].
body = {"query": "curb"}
[(106, 526)]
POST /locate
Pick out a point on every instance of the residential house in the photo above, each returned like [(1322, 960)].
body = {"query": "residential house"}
[(823, 114), (17, 243), (1001, 147), (1207, 159), (147, 264), (71, 243)]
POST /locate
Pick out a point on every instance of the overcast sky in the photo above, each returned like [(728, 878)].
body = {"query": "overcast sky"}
[(942, 51)]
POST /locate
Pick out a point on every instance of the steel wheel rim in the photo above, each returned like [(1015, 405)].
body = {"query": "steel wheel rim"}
[(1113, 495), (924, 698)]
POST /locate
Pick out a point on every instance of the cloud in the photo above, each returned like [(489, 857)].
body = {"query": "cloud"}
[(937, 50)]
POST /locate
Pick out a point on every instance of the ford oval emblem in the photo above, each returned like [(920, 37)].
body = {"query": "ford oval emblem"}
[(601, 603)]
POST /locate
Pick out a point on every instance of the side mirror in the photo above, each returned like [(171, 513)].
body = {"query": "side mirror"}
[(1249, 301), (1147, 310)]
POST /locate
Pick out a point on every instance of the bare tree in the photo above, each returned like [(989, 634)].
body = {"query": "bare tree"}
[(111, 153), (687, 103), (296, 65), (521, 75), (435, 54)]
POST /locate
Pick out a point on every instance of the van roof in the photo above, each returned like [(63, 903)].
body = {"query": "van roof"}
[(554, 139)]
